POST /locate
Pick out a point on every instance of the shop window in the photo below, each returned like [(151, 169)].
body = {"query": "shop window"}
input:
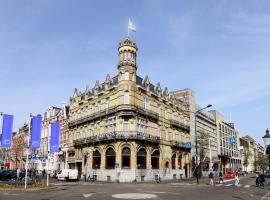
[(96, 159), (173, 161), (110, 158), (180, 162), (155, 159), (126, 158), (141, 159)]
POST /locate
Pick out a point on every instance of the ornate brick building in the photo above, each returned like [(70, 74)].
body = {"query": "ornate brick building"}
[(127, 129)]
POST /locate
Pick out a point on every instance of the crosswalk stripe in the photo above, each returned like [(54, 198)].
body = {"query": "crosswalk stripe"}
[(228, 185), (247, 186), (239, 185), (218, 185), (266, 196)]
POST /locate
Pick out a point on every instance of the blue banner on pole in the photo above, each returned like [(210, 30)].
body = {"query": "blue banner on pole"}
[(55, 132), (7, 131), (35, 132)]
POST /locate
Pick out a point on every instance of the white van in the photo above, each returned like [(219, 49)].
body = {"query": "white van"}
[(68, 174)]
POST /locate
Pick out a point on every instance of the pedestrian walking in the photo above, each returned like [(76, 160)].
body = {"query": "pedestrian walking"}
[(158, 180), (220, 175), (18, 173), (211, 177), (237, 180), (43, 173)]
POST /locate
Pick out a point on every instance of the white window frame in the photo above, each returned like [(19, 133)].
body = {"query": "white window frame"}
[(126, 76), (146, 103), (107, 104), (126, 97)]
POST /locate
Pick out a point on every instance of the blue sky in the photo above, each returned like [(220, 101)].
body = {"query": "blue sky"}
[(218, 48)]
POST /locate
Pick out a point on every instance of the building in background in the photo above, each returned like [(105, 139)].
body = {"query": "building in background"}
[(127, 129), (17, 151), (228, 144), (206, 125), (250, 151), (50, 116), (189, 97), (64, 136), (205, 122)]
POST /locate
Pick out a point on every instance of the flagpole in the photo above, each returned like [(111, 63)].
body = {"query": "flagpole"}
[(48, 141), (4, 150), (27, 153), (128, 31)]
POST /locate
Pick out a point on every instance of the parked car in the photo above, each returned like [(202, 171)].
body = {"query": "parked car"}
[(67, 174), (242, 172), (7, 175), (229, 175)]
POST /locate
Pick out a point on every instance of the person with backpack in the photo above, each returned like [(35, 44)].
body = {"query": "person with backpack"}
[(220, 175), (211, 177)]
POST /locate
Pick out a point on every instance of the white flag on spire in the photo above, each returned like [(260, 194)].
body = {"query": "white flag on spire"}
[(131, 26)]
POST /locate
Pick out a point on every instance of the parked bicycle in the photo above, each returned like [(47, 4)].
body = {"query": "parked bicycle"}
[(92, 177)]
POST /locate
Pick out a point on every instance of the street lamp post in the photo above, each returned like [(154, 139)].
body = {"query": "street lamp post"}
[(196, 141), (266, 140)]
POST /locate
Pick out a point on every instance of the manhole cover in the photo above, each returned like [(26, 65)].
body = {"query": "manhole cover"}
[(134, 196)]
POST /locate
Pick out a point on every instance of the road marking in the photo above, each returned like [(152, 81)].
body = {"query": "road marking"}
[(218, 185), (88, 195), (266, 196), (228, 185), (12, 194), (134, 196), (247, 186), (239, 185)]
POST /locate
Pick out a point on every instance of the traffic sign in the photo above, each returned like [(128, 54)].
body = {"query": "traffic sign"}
[(188, 145), (232, 140), (33, 156)]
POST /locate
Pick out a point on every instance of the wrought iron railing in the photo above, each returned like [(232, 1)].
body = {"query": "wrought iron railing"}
[(179, 124), (129, 135), (120, 135), (102, 113)]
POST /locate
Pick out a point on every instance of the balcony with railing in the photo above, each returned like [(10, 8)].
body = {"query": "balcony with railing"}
[(148, 113), (175, 143), (179, 124), (121, 135), (86, 118), (123, 110)]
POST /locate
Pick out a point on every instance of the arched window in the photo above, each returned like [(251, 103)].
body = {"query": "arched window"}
[(173, 161), (110, 158), (141, 159), (180, 162), (96, 159), (155, 159), (126, 158)]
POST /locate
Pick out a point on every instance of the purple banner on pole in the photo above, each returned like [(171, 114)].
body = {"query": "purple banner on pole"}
[(55, 133), (7, 131), (35, 132)]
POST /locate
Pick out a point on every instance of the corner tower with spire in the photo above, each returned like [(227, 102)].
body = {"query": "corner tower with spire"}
[(127, 65)]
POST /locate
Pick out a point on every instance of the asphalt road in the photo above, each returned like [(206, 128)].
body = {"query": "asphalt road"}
[(169, 191)]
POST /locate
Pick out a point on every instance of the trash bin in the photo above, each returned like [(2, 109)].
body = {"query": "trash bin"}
[(174, 176)]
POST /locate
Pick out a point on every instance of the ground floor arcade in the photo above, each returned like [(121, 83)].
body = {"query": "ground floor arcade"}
[(129, 161)]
